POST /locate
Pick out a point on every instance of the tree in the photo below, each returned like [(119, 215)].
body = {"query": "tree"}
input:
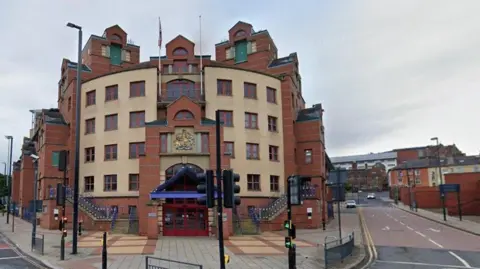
[(3, 186), (348, 187)]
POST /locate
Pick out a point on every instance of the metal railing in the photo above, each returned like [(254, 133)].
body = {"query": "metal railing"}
[(338, 249), (38, 244), (278, 205), (159, 263)]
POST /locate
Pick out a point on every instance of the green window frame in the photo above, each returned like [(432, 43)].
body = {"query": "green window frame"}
[(55, 158), (115, 54), (241, 51)]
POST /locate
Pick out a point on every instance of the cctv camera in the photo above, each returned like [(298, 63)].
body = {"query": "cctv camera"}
[(34, 156)]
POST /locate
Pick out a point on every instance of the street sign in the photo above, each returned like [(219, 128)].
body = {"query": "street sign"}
[(333, 177), (449, 188)]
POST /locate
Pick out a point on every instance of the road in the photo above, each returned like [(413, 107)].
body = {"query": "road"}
[(12, 258), (404, 240)]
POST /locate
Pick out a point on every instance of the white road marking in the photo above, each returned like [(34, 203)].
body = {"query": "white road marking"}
[(438, 245), (386, 228), (426, 264), (11, 258), (410, 228), (460, 259), (419, 233), (395, 219), (402, 223), (433, 230)]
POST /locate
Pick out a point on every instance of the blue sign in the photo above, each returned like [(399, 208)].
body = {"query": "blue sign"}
[(449, 188), (338, 176)]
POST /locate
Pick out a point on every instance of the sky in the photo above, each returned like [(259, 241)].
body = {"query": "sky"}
[(388, 73)]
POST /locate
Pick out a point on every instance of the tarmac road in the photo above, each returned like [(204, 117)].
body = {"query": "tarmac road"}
[(403, 240), (12, 258)]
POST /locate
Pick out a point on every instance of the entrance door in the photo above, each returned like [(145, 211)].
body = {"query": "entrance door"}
[(184, 220)]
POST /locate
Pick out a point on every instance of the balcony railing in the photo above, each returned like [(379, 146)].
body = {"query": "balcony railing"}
[(172, 95)]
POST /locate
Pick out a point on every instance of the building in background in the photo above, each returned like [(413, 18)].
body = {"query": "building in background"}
[(427, 152), (387, 159), (140, 127), (425, 172), (372, 178)]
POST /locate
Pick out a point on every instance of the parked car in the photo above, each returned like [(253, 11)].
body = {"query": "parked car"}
[(371, 196), (351, 204)]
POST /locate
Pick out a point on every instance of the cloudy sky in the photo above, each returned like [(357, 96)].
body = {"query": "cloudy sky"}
[(389, 74)]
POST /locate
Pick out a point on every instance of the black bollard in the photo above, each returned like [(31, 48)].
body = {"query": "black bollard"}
[(80, 228)]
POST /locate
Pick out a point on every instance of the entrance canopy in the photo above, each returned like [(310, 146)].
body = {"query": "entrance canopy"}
[(162, 192)]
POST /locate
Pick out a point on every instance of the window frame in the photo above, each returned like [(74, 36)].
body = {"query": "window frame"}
[(135, 182), (308, 158), (137, 122), (273, 153), (91, 98), (87, 184), (90, 126), (224, 87), (111, 152), (272, 124), (137, 89), (110, 118), (225, 152), (137, 152), (249, 122), (225, 119), (248, 151), (254, 183), (274, 183), (89, 155), (271, 95), (250, 90), (113, 183), (111, 93)]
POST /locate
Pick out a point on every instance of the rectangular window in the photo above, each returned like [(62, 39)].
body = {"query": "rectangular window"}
[(111, 122), (111, 152), (251, 120), (252, 151), (205, 143), (308, 156), (241, 52), (110, 183), (90, 126), (272, 124), (253, 182), (271, 95), (230, 149), (133, 182), (137, 89), (91, 96), (126, 55), (55, 158), (69, 103), (89, 184), (164, 143), (89, 154), (115, 54), (105, 51), (180, 67), (250, 90), (137, 119), (136, 149), (273, 153), (111, 93), (227, 118), (224, 87), (274, 183)]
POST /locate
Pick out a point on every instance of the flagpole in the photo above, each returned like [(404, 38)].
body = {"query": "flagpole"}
[(201, 57), (159, 57)]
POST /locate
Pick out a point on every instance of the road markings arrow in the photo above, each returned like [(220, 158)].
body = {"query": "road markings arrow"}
[(433, 230)]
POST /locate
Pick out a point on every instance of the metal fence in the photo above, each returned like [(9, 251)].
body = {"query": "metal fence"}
[(158, 263), (338, 249), (38, 244)]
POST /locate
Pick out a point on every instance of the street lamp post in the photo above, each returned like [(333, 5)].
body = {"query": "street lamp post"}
[(77, 138), (438, 158), (35, 198), (4, 176), (9, 177)]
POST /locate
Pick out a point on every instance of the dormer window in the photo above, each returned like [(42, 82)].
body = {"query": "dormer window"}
[(180, 52)]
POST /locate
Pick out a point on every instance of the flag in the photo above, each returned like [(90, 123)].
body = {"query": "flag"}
[(159, 32)]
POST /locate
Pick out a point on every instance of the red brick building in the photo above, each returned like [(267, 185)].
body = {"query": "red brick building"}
[(155, 130)]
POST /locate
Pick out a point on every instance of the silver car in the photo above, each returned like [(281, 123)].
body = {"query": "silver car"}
[(351, 204)]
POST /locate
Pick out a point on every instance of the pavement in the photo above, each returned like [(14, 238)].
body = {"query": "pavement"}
[(259, 251), (12, 257), (419, 240)]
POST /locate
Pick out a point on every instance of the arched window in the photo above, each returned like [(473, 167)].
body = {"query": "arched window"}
[(240, 33), (172, 170), (116, 37), (180, 52), (184, 115), (180, 87)]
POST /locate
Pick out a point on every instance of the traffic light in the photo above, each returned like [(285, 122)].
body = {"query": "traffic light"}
[(62, 224), (206, 187), (292, 234), (64, 233), (230, 188)]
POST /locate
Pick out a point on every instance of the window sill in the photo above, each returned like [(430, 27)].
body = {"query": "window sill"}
[(131, 97), (225, 95), (250, 98), (106, 101), (254, 190), (110, 160), (111, 130), (248, 128), (241, 62), (253, 159), (90, 161)]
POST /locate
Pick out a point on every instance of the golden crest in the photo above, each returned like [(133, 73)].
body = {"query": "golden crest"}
[(184, 141)]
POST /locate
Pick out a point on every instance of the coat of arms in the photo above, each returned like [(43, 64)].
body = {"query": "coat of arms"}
[(184, 141)]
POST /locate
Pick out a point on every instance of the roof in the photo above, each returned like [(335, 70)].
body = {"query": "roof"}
[(445, 162), (283, 61), (73, 65), (144, 65), (365, 157), (312, 113)]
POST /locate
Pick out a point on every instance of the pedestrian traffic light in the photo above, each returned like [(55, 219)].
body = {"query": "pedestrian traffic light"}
[(291, 233), (287, 224), (206, 187), (288, 242), (230, 188), (64, 233)]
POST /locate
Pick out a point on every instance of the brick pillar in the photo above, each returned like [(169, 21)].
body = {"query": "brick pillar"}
[(152, 221)]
